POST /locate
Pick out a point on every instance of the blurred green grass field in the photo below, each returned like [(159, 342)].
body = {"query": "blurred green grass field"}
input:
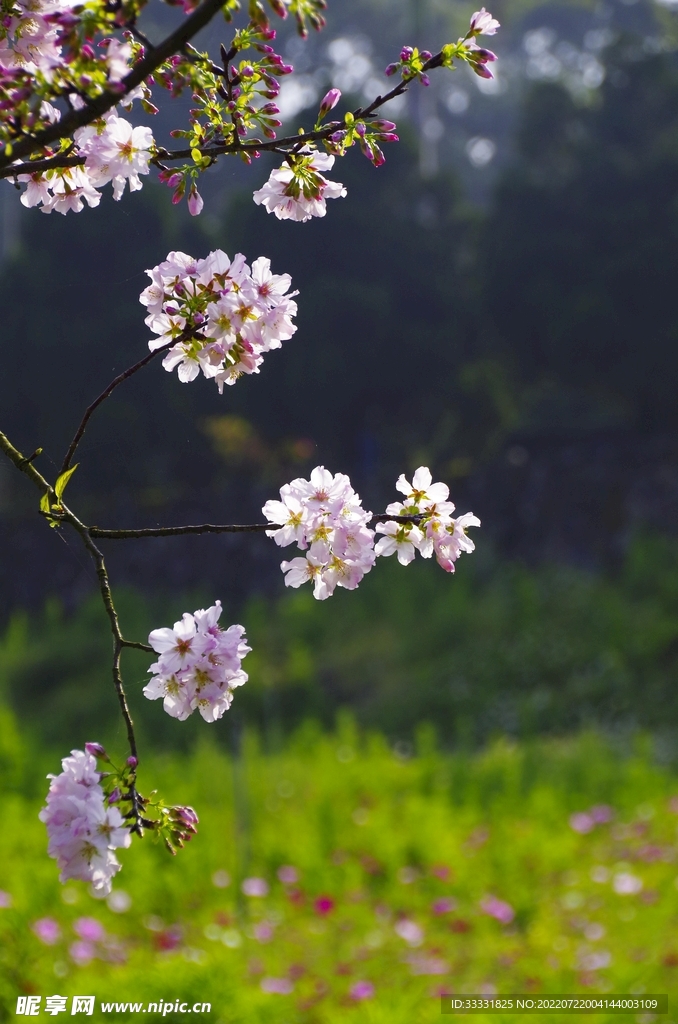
[(390, 876)]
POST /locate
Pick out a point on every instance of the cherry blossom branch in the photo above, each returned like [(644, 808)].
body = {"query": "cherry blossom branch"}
[(24, 465), (291, 143), (296, 142), (95, 108), (37, 166), (136, 645), (77, 437), (178, 531), (118, 640)]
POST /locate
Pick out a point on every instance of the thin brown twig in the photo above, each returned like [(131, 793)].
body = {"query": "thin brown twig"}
[(178, 531), (24, 465), (77, 437), (137, 646)]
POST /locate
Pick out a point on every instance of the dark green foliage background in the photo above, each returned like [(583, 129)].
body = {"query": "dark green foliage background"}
[(430, 331)]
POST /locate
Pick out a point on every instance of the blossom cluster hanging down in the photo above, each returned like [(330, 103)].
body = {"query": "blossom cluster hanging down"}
[(298, 190), (83, 831), (114, 151), (199, 665), (221, 315), (325, 518)]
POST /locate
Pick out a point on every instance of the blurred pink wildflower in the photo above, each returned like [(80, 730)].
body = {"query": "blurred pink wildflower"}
[(255, 887), (47, 930), (277, 986), (361, 990), (498, 909)]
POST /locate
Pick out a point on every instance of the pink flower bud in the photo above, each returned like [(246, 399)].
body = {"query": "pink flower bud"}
[(391, 70), (186, 816), (482, 56), (96, 750), (426, 55), (424, 79), (114, 796), (406, 53), (330, 100), (132, 762), (383, 126)]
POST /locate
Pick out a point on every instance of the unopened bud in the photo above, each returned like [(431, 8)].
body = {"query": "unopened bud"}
[(115, 796), (330, 100), (96, 750), (186, 815), (195, 202), (482, 56), (406, 53), (132, 762)]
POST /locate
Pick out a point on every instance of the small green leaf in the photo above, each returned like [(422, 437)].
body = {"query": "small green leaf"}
[(44, 503), (60, 485)]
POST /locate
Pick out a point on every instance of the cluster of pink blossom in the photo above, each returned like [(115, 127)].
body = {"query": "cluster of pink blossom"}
[(113, 150), (199, 665), (222, 315), (298, 190), (83, 831), (33, 33), (435, 531), (30, 34), (325, 516)]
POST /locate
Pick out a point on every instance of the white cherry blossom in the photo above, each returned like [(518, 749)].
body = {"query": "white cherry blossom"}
[(299, 191), (200, 664)]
